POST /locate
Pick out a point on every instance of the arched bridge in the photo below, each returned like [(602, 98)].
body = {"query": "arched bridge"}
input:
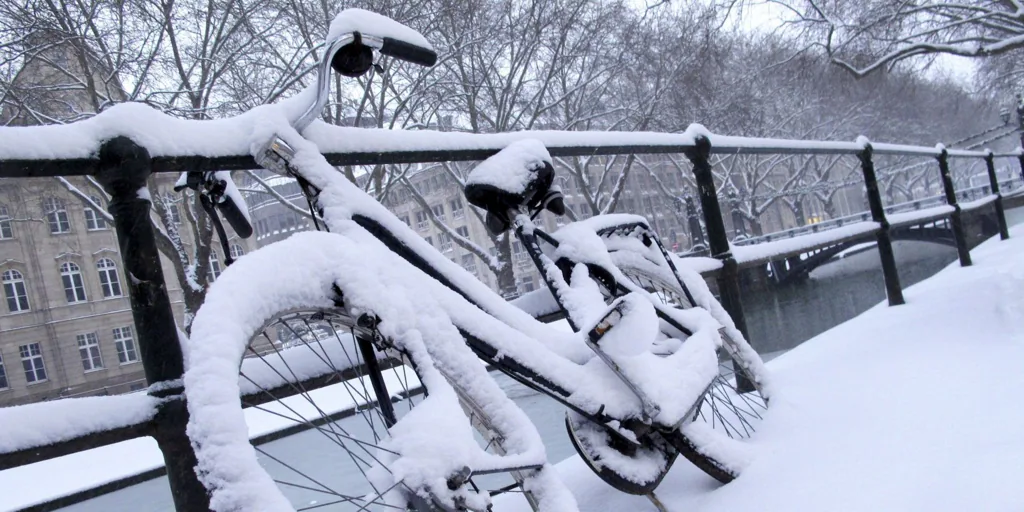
[(800, 266)]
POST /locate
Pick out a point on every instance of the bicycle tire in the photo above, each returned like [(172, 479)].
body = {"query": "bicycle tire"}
[(306, 364), (725, 407), (290, 365)]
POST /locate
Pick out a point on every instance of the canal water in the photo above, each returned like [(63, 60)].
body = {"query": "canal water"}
[(778, 320)]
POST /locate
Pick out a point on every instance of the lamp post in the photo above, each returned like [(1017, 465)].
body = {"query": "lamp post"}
[(1020, 117), (1020, 129)]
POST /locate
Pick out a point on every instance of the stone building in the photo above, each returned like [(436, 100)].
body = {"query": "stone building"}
[(65, 324)]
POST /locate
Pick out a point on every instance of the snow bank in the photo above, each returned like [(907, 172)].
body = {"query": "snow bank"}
[(902, 408)]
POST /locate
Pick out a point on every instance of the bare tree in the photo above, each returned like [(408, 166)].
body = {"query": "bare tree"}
[(863, 37)]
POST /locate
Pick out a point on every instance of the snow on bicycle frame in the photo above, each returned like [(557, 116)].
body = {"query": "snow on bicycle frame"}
[(589, 388), (357, 223)]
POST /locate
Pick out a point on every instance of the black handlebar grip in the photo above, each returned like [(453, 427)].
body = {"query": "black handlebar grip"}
[(408, 52), (229, 210)]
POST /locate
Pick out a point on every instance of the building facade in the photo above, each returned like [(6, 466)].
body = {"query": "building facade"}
[(66, 326)]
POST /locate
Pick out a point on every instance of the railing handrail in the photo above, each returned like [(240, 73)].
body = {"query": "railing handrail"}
[(138, 141), (178, 145)]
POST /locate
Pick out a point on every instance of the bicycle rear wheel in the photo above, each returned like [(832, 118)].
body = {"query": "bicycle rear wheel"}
[(731, 406)]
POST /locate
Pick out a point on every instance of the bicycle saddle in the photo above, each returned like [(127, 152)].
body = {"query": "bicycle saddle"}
[(519, 175)]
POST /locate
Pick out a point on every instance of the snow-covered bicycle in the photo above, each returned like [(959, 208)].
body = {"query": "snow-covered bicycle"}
[(367, 335)]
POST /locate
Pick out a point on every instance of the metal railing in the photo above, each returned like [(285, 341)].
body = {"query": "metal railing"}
[(122, 167), (970, 194)]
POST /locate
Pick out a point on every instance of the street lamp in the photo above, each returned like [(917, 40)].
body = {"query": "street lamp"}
[(1020, 114)]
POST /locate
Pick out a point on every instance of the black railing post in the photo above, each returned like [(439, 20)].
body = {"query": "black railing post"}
[(993, 182), (123, 170), (893, 290), (718, 243), (955, 219)]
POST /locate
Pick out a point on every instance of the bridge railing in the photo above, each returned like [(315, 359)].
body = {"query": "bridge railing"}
[(972, 195), (124, 145)]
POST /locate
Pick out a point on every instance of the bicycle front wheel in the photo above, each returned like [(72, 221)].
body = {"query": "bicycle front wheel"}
[(324, 396)]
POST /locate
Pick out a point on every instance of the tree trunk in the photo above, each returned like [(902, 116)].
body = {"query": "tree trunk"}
[(755, 227), (506, 275), (798, 212)]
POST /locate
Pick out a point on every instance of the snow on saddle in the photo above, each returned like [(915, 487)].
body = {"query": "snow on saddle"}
[(519, 175)]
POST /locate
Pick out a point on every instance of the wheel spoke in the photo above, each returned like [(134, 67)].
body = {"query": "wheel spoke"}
[(724, 408)]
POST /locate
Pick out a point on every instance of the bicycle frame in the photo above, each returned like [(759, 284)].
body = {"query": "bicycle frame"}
[(400, 239), (485, 350)]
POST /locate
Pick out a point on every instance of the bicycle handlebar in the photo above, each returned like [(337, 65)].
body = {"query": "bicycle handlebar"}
[(408, 52), (401, 49)]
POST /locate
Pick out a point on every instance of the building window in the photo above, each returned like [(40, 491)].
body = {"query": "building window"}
[(173, 213), (519, 254), (32, 362), (456, 206), (74, 287), (421, 220), (89, 349), (125, 344), (214, 265), (14, 289), (6, 231), (405, 219), (3, 375), (445, 241), (93, 219), (463, 231), (109, 282), (469, 263), (526, 285), (56, 215), (438, 211), (429, 240), (237, 251)]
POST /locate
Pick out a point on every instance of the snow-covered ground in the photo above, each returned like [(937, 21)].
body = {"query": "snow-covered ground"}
[(901, 408), (906, 408)]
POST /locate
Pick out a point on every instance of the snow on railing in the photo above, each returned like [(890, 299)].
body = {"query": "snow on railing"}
[(176, 145), (182, 144), (44, 423), (917, 216)]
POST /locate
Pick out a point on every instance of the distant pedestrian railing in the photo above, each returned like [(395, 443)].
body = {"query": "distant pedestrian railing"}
[(966, 198)]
